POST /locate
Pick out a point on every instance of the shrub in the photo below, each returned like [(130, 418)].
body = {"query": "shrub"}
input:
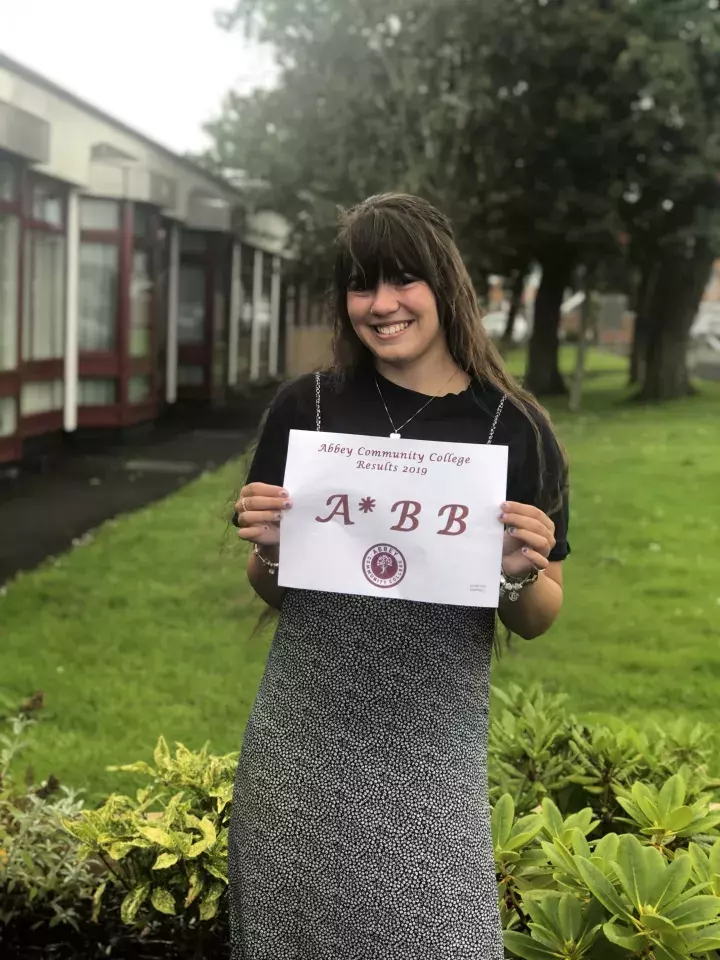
[(40, 870), (538, 749), (564, 895), (166, 848), (605, 841), (604, 835)]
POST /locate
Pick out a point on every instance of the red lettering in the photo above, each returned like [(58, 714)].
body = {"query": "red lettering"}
[(341, 509), (458, 516), (410, 511)]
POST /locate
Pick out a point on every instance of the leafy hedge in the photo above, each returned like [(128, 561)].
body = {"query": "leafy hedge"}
[(605, 839)]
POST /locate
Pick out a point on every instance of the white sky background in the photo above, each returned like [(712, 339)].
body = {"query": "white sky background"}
[(160, 66)]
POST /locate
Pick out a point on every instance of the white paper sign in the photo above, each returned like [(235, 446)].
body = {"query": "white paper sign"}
[(378, 517)]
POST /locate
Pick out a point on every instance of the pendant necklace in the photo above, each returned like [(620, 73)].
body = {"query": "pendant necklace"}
[(395, 435)]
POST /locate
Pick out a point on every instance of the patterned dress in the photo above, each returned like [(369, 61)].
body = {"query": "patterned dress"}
[(361, 822)]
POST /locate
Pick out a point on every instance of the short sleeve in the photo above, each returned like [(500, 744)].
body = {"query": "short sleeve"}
[(288, 411), (561, 519), (552, 495)]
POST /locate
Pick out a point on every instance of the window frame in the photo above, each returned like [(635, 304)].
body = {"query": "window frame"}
[(117, 364), (31, 368), (10, 379), (200, 354)]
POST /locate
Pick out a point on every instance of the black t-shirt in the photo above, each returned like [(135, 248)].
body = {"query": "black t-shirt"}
[(354, 406)]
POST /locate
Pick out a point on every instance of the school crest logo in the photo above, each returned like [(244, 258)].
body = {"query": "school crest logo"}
[(384, 566)]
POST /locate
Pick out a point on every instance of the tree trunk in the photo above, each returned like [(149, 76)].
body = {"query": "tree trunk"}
[(542, 374), (643, 323), (518, 288), (586, 325), (673, 305)]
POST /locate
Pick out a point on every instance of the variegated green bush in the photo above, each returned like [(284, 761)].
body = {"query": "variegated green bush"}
[(165, 848)]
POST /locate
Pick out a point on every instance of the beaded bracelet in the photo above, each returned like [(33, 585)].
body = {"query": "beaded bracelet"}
[(271, 565), (511, 588)]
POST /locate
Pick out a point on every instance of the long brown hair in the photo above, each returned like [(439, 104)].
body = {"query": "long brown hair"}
[(394, 233)]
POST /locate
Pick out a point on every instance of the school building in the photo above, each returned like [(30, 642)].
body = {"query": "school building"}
[(130, 278)]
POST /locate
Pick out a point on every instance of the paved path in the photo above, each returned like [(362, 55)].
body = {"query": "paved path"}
[(45, 507)]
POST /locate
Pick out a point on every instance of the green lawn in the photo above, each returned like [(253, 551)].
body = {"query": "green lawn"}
[(640, 632), (149, 629)]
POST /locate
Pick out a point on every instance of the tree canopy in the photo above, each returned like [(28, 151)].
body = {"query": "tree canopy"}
[(558, 132)]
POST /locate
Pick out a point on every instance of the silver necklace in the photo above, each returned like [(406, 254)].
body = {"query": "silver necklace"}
[(395, 435)]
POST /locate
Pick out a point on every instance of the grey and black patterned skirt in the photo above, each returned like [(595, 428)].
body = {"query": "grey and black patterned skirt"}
[(360, 820)]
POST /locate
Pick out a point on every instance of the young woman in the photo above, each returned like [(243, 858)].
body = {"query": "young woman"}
[(361, 823)]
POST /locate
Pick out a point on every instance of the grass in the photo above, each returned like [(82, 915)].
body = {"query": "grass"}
[(640, 630), (149, 628)]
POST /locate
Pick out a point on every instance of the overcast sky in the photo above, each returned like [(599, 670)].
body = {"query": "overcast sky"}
[(161, 66)]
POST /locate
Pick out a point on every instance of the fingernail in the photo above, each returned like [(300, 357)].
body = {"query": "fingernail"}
[(525, 549), (284, 493), (287, 505), (512, 529), (278, 516), (503, 506)]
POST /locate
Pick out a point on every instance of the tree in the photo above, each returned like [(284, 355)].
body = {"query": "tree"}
[(370, 100), (546, 130), (518, 279), (604, 120), (553, 112), (459, 103), (672, 205)]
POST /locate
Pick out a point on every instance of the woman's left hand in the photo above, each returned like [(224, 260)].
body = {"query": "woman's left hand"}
[(529, 538)]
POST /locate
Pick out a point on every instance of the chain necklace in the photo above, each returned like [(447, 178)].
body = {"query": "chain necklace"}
[(395, 435)]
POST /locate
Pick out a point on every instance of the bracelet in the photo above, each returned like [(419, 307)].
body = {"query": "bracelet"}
[(271, 565), (511, 588)]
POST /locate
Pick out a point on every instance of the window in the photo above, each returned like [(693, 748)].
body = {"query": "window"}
[(43, 396), (139, 388), (244, 315), (98, 296), (43, 320), (44, 306), (291, 304), (141, 289), (48, 204), (8, 181), (8, 416), (191, 312), (97, 392), (9, 254), (193, 243), (190, 375), (142, 222), (99, 215), (263, 316)]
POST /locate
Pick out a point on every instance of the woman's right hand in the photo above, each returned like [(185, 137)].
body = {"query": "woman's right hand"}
[(259, 511)]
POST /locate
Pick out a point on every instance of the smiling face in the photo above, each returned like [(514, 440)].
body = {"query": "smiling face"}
[(396, 319), (402, 292)]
